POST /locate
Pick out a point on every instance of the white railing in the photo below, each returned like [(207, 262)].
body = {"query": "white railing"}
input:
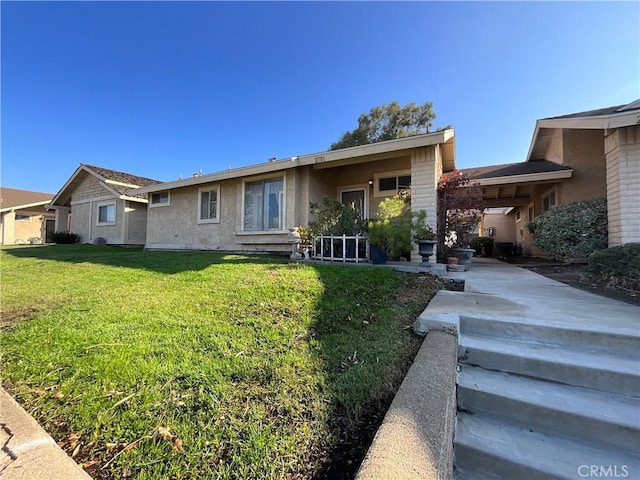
[(340, 248)]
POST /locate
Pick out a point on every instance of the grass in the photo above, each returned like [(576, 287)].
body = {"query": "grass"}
[(154, 365)]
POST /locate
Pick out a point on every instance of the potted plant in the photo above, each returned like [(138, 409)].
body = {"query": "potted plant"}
[(424, 236)]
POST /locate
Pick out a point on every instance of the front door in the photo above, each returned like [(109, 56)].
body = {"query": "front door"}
[(49, 229), (356, 198)]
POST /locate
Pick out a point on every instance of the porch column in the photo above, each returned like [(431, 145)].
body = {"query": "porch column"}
[(62, 219), (622, 150), (425, 164), (8, 227)]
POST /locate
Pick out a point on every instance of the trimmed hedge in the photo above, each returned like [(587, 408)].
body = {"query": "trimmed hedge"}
[(574, 230), (66, 237), (623, 260)]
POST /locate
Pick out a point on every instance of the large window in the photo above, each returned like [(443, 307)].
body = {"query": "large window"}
[(23, 218), (107, 214), (209, 205), (160, 199), (264, 205)]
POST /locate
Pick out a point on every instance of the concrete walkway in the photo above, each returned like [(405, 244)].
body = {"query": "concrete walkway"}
[(28, 452), (504, 296)]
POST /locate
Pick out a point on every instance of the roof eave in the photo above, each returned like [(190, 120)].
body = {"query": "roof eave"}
[(399, 144), (595, 122), (527, 177), (26, 205)]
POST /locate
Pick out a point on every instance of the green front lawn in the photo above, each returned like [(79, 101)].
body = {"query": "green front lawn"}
[(203, 365)]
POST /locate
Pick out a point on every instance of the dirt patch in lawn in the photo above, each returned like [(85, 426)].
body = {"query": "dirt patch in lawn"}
[(575, 275), (11, 317)]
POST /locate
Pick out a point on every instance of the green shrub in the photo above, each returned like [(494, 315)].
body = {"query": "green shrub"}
[(619, 265), (66, 237), (335, 218), (573, 230)]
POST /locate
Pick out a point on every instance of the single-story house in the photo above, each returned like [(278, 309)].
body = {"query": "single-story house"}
[(573, 157), (251, 209), (103, 204), (24, 217)]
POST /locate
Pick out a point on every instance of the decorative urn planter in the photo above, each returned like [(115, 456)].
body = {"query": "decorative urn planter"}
[(425, 249)]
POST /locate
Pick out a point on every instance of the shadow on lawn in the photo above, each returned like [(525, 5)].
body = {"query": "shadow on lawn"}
[(168, 262)]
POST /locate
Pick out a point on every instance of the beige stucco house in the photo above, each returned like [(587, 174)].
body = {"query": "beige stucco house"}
[(100, 203), (251, 209), (573, 157), (24, 217)]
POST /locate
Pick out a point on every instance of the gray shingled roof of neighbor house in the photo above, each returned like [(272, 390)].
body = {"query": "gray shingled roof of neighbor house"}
[(513, 169)]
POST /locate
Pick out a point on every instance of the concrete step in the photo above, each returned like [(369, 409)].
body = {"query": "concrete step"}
[(616, 340), (582, 368), (586, 414), (489, 448)]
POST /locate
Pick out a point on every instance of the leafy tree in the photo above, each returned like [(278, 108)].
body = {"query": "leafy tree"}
[(386, 122), (460, 209)]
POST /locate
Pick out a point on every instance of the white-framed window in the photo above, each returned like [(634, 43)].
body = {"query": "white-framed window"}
[(518, 215), (209, 204), (264, 205), (549, 200), (389, 183), (160, 199), (106, 214), (22, 218)]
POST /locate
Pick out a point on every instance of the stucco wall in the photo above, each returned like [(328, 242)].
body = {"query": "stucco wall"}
[(328, 182), (136, 218), (175, 226), (583, 150), (554, 149), (622, 148), (503, 225), (84, 219)]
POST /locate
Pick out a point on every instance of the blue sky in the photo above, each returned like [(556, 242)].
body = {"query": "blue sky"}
[(160, 89)]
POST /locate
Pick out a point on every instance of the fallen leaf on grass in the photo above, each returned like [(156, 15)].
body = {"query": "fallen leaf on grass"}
[(90, 463), (165, 433), (58, 395), (178, 445)]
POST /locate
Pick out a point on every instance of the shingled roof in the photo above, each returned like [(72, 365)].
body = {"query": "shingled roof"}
[(119, 183), (128, 180), (513, 169), (14, 198)]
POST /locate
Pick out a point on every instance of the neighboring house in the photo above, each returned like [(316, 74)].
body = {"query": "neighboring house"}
[(103, 203), (24, 218), (572, 157), (251, 209)]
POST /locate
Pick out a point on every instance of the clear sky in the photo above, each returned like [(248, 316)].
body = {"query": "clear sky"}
[(160, 89)]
